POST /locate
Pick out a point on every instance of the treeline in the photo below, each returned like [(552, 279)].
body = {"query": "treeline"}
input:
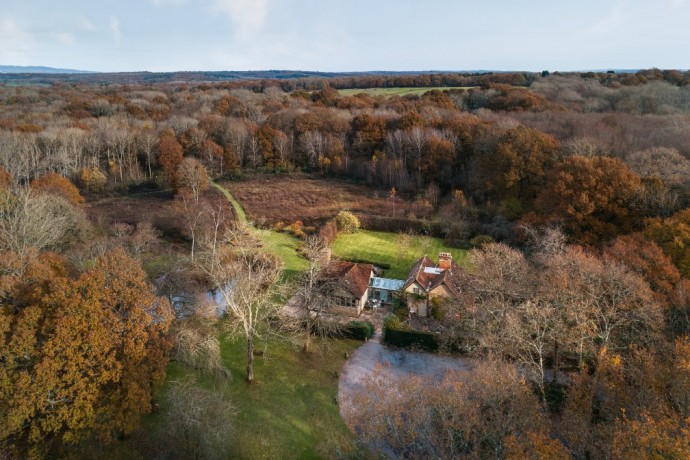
[(511, 150)]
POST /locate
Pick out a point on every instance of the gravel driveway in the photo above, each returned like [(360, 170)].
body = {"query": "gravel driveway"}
[(396, 365)]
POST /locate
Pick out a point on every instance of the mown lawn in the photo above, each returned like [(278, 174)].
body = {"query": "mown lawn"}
[(390, 92), (390, 248), (285, 246), (290, 410)]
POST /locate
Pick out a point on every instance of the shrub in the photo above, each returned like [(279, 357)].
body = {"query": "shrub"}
[(480, 241), (329, 232), (92, 179), (408, 338), (359, 330), (400, 308), (347, 222), (437, 311), (391, 321), (356, 260)]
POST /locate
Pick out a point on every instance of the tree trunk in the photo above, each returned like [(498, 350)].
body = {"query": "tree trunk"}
[(555, 361), (250, 359), (307, 341)]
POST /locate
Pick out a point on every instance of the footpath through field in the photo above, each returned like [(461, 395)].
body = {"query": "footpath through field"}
[(283, 245)]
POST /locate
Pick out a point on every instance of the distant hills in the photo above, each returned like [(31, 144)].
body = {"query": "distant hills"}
[(37, 69), (51, 75)]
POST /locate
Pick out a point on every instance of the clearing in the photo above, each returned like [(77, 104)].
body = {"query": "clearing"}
[(398, 250), (390, 92), (271, 199)]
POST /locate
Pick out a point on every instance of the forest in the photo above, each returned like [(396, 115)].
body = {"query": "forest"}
[(124, 201)]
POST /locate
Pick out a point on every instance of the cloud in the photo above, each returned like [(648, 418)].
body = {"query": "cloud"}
[(248, 16), (87, 26), (15, 43), (67, 38), (115, 29)]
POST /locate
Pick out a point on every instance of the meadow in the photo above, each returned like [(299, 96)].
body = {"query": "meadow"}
[(390, 92)]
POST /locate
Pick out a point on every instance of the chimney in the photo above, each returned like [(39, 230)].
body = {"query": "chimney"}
[(445, 260)]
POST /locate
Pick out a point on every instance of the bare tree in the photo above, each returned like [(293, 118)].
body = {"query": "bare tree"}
[(313, 299), (198, 422), (39, 221), (245, 279)]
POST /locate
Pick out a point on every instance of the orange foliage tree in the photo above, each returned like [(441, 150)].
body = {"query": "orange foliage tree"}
[(518, 166), (55, 184), (673, 235), (591, 197), (169, 156), (78, 356)]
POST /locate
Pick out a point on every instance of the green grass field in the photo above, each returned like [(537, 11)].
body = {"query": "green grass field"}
[(284, 246), (290, 410), (390, 92), (389, 248)]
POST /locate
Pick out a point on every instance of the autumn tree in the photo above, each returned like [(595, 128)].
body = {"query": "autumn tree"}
[(169, 155), (192, 178), (518, 166), (6, 179), (213, 157), (55, 184), (648, 260), (79, 356), (591, 197), (367, 133), (673, 236)]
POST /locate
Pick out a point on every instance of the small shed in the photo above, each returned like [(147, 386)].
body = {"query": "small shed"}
[(383, 288)]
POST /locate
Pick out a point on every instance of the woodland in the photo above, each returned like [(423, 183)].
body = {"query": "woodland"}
[(124, 201)]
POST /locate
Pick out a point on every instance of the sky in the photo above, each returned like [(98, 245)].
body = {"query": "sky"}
[(353, 35)]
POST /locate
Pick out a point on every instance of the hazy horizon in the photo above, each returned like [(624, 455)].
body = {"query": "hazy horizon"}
[(385, 35)]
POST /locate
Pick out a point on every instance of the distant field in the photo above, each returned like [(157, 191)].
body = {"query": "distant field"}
[(386, 248), (390, 92)]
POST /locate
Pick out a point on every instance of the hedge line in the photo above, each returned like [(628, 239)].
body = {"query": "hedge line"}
[(383, 265), (397, 225), (359, 330), (407, 338)]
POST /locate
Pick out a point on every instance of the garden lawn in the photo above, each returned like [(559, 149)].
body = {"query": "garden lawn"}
[(284, 246), (290, 410), (387, 248)]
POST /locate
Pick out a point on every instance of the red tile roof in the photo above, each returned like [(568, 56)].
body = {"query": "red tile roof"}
[(354, 277), (430, 281)]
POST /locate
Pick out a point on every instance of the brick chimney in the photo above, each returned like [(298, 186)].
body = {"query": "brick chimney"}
[(445, 260)]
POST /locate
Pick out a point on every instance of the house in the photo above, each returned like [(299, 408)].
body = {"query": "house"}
[(348, 285), (428, 280)]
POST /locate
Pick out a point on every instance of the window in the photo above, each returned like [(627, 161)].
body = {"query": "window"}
[(416, 290)]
